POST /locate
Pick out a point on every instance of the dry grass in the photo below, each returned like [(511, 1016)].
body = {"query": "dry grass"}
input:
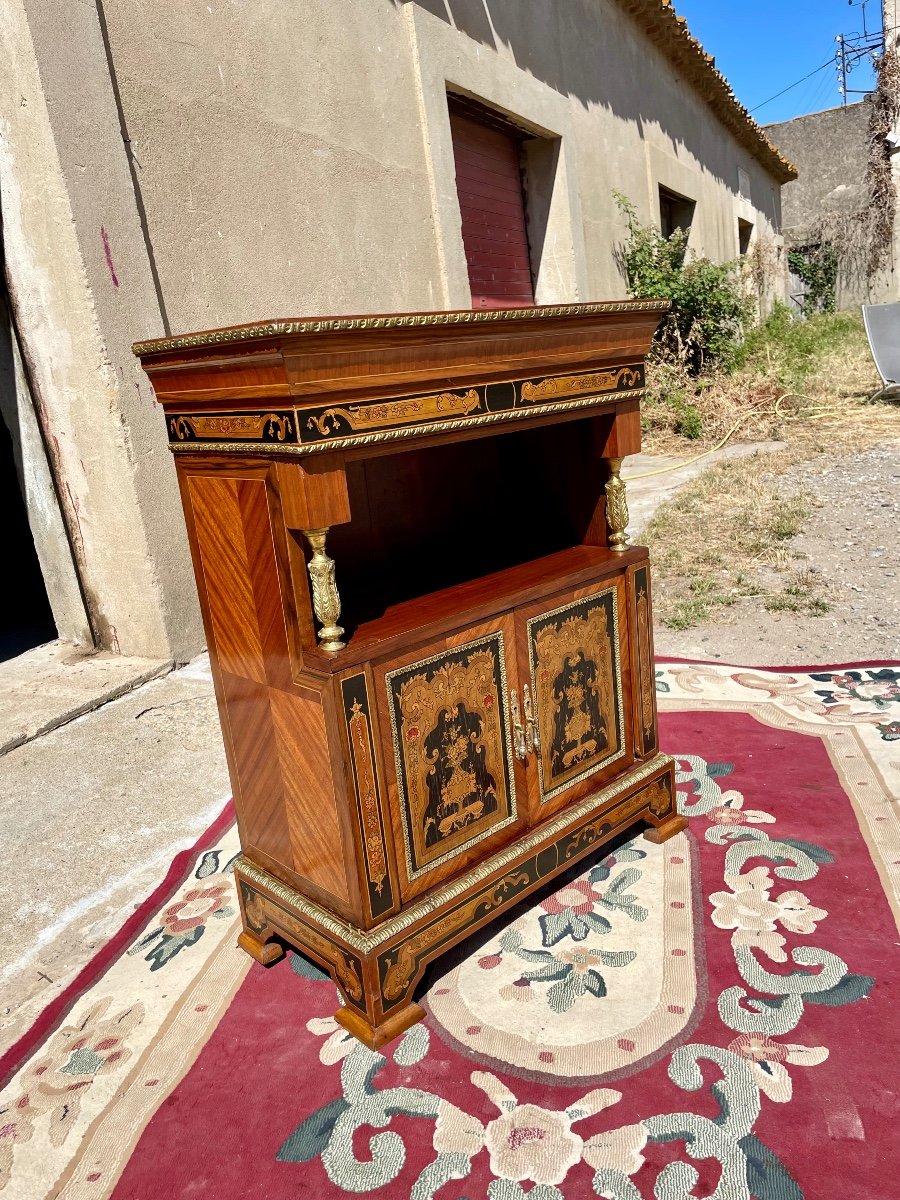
[(727, 534), (806, 384)]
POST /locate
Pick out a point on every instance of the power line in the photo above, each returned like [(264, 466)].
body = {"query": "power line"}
[(791, 86), (855, 53)]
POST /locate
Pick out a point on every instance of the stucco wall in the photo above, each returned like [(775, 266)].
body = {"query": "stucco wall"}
[(222, 162), (68, 226), (830, 150), (297, 160)]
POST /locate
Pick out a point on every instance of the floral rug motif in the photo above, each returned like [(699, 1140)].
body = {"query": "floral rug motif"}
[(710, 1018)]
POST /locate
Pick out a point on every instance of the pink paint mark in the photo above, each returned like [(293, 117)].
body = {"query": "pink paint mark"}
[(108, 253)]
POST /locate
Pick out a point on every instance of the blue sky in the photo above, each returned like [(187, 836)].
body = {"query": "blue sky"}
[(765, 46)]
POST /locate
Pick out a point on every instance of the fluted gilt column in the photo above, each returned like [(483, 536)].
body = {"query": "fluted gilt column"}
[(325, 596), (616, 506)]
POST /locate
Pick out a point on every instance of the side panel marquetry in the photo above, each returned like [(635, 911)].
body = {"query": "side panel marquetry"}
[(576, 675), (363, 762), (275, 731), (644, 670), (452, 751)]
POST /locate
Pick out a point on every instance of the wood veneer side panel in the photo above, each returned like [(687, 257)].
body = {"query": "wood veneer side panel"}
[(242, 701), (258, 775), (290, 808), (265, 579), (224, 560), (319, 843)]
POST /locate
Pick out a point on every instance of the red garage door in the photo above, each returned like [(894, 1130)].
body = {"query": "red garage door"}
[(489, 184)]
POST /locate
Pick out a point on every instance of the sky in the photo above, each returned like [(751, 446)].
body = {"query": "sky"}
[(767, 45)]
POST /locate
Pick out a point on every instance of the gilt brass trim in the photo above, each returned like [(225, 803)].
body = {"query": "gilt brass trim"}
[(219, 337), (616, 506), (325, 596), (365, 941), (395, 435)]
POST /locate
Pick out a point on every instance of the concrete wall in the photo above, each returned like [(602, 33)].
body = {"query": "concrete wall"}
[(830, 149), (222, 162), (298, 160), (78, 286)]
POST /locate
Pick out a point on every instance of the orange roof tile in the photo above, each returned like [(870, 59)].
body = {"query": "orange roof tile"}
[(670, 33)]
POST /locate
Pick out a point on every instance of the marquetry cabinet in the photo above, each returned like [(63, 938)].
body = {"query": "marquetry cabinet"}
[(431, 642)]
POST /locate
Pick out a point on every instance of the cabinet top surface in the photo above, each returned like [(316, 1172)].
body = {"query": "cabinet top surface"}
[(392, 322)]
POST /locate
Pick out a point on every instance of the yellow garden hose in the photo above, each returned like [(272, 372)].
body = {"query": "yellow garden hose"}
[(753, 412)]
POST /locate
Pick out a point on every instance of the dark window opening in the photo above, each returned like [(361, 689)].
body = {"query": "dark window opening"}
[(487, 149), (745, 233), (675, 212)]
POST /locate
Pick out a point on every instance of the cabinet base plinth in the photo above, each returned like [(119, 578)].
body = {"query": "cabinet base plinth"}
[(375, 1036), (265, 953), (661, 833), (377, 970)]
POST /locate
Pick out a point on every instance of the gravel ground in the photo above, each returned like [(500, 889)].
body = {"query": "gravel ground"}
[(852, 540)]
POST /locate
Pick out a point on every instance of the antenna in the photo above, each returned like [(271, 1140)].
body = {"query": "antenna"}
[(861, 4), (853, 48)]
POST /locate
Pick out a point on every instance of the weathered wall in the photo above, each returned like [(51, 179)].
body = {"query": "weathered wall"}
[(68, 214), (226, 162), (830, 149), (284, 169)]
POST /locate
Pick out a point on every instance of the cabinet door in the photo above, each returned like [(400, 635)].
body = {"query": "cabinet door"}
[(454, 783), (578, 714)]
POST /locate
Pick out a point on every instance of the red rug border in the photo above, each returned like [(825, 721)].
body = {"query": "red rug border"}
[(808, 669), (58, 1008)]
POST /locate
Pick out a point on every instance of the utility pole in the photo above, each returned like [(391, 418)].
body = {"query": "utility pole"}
[(891, 14), (842, 68)]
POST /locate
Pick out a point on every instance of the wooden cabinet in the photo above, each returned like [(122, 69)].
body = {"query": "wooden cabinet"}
[(430, 639)]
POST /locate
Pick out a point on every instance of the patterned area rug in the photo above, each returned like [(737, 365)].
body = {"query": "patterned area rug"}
[(716, 1017)]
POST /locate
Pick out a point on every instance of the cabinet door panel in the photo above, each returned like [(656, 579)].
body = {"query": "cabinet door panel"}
[(577, 663), (453, 791)]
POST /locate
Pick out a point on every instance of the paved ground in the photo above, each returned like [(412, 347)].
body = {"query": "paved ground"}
[(91, 815), (652, 479), (92, 811), (53, 684)]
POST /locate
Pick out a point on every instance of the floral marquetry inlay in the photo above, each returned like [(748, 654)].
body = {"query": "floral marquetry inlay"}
[(576, 676), (452, 753)]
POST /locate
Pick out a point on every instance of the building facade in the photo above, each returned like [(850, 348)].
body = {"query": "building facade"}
[(165, 168), (831, 150)]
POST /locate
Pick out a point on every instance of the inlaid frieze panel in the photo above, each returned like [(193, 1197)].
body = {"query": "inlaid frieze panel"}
[(576, 678), (452, 751), (325, 427)]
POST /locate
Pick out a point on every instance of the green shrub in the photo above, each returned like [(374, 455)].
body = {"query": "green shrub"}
[(711, 307), (818, 268)]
